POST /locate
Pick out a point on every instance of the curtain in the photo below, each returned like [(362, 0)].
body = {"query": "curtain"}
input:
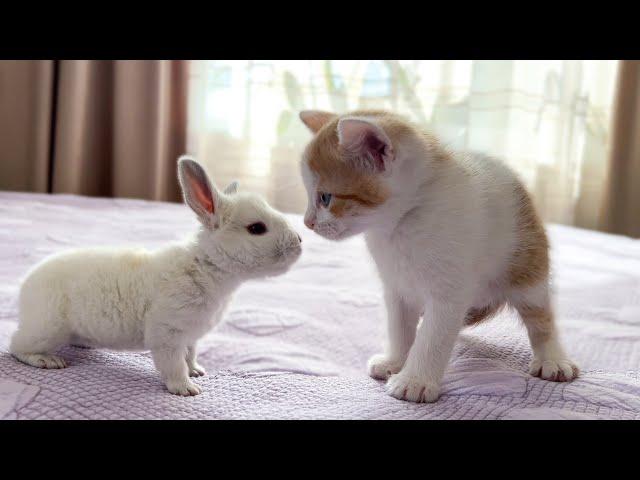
[(621, 210), (549, 120), (106, 128), (25, 119)]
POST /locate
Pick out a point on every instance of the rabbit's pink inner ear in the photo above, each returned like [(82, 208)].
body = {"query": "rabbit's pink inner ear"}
[(202, 195)]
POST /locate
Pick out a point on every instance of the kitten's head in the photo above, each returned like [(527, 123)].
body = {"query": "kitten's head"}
[(240, 231), (346, 168)]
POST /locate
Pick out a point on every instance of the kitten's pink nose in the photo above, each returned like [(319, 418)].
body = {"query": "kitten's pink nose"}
[(310, 222)]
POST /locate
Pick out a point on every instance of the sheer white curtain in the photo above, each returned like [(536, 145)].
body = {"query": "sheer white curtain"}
[(549, 120)]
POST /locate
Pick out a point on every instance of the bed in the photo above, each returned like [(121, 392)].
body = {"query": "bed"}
[(296, 346)]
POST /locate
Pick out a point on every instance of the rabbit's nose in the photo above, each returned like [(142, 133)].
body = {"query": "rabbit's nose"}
[(299, 237)]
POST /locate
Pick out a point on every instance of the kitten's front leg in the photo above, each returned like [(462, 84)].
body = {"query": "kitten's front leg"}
[(195, 369), (419, 380), (170, 362), (401, 325)]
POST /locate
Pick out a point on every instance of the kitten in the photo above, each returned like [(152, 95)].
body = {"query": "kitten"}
[(454, 236)]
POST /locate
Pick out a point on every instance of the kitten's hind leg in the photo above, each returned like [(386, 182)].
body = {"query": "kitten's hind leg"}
[(549, 359)]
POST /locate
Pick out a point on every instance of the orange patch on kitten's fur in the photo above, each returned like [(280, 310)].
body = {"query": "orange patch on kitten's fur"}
[(352, 190), (467, 204), (530, 262)]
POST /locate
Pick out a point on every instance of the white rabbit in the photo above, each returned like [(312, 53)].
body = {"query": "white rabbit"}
[(164, 300)]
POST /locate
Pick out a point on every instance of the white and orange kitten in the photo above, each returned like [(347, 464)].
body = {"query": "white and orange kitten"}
[(454, 235)]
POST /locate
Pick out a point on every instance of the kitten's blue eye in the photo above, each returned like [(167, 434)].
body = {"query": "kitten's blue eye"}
[(325, 199)]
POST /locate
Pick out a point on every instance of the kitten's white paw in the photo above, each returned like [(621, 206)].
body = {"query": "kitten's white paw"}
[(563, 370), (197, 371), (185, 388), (414, 389), (382, 366)]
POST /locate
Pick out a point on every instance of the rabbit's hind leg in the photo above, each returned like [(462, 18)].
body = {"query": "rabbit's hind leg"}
[(35, 347), (41, 360)]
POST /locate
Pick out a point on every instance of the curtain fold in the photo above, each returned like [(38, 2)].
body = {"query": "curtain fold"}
[(26, 94), (93, 127), (621, 209), (121, 126)]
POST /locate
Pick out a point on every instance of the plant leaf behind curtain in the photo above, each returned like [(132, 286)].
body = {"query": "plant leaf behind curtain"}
[(549, 120)]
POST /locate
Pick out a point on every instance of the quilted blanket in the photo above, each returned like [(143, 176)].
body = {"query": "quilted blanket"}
[(296, 346)]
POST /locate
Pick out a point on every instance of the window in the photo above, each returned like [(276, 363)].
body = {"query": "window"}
[(547, 119)]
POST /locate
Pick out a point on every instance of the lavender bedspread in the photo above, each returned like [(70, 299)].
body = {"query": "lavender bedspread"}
[(296, 346)]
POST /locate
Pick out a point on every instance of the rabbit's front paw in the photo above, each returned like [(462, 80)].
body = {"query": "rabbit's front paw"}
[(197, 370), (185, 388)]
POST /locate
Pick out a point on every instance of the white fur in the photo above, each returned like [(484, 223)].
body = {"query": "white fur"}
[(442, 244), (164, 300)]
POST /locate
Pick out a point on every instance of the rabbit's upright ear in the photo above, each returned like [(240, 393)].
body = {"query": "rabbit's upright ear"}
[(199, 193), (232, 188)]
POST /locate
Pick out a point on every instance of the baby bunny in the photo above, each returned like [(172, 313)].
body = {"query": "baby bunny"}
[(164, 300)]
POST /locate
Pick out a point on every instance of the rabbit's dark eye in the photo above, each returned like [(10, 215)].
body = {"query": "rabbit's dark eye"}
[(257, 228)]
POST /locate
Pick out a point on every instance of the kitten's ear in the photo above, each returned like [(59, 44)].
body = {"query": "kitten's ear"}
[(367, 146), (232, 188), (199, 193), (316, 119)]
